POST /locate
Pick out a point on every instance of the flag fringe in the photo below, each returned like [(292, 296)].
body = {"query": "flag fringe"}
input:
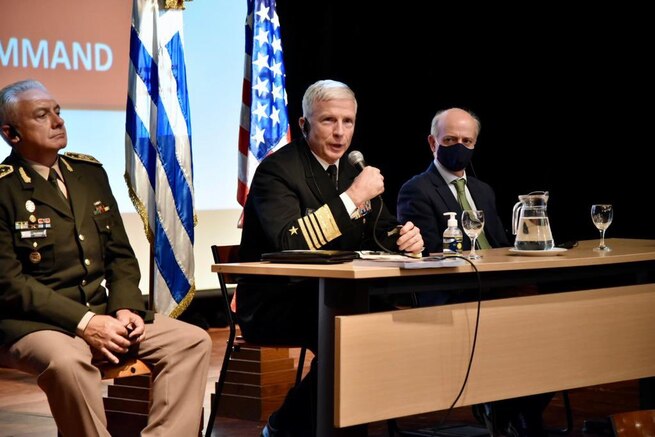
[(140, 209), (182, 306)]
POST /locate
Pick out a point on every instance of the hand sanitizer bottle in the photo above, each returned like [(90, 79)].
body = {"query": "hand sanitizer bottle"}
[(452, 236)]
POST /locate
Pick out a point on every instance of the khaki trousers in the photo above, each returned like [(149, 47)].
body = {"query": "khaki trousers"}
[(177, 352)]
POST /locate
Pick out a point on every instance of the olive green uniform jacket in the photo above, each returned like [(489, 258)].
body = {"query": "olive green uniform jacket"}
[(60, 259)]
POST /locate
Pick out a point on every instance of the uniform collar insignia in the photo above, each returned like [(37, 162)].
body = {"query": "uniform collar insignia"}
[(66, 164), (24, 175), (5, 170)]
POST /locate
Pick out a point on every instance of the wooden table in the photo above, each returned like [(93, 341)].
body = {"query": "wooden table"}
[(382, 365)]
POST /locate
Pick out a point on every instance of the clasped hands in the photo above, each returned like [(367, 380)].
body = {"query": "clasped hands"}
[(113, 336)]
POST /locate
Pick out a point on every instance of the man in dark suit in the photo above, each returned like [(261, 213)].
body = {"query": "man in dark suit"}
[(294, 204), (423, 200), (426, 196), (69, 281)]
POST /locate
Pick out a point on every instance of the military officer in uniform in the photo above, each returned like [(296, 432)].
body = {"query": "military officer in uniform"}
[(294, 203), (69, 281)]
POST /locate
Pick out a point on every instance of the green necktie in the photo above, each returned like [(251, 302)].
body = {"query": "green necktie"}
[(460, 185)]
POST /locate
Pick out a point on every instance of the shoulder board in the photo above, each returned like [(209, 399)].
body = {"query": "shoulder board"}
[(82, 157), (5, 170)]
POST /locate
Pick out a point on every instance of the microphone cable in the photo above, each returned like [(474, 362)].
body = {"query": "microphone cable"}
[(442, 422), (475, 340), (356, 159), (375, 227)]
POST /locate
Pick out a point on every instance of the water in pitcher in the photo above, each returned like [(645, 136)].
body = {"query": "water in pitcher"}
[(534, 234), (530, 223)]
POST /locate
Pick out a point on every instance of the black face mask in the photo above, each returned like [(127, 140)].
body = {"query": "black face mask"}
[(455, 157)]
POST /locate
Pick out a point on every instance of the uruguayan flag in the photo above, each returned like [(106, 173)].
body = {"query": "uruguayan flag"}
[(158, 165)]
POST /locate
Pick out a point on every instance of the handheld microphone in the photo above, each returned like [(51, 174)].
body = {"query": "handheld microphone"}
[(356, 159)]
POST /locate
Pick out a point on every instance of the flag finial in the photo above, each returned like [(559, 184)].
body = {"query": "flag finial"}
[(174, 4)]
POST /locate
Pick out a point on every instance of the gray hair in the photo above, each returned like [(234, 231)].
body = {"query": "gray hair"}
[(324, 90), (434, 127), (9, 97)]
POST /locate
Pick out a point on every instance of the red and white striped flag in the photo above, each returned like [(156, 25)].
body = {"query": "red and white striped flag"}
[(264, 123)]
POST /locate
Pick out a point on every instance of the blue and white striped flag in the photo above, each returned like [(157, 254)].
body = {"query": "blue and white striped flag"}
[(158, 164)]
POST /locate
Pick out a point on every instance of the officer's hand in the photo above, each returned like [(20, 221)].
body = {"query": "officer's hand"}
[(108, 335), (410, 239), (367, 185), (135, 325)]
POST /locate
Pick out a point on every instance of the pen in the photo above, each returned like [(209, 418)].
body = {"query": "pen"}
[(394, 231)]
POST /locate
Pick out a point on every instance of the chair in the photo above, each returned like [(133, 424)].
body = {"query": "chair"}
[(639, 423), (127, 404), (226, 254), (130, 367)]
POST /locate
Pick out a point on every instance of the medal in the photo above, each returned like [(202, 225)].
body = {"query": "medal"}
[(35, 257), (29, 206), (32, 218), (99, 208), (42, 223)]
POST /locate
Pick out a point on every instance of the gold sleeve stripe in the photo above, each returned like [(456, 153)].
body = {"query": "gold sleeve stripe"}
[(326, 222), (303, 230), (317, 229), (311, 232)]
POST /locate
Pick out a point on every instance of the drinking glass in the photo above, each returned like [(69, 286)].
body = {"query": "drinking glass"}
[(601, 215), (472, 223)]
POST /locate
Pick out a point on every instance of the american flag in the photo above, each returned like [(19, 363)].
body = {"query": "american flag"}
[(158, 165), (264, 119)]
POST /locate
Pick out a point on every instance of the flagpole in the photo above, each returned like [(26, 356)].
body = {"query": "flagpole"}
[(151, 278)]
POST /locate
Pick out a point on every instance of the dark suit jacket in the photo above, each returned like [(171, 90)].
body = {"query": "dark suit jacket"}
[(292, 204), (54, 256), (290, 185), (425, 197)]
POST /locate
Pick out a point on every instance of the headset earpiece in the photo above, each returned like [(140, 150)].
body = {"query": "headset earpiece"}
[(13, 133)]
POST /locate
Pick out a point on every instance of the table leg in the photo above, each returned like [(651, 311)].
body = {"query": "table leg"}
[(336, 297)]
